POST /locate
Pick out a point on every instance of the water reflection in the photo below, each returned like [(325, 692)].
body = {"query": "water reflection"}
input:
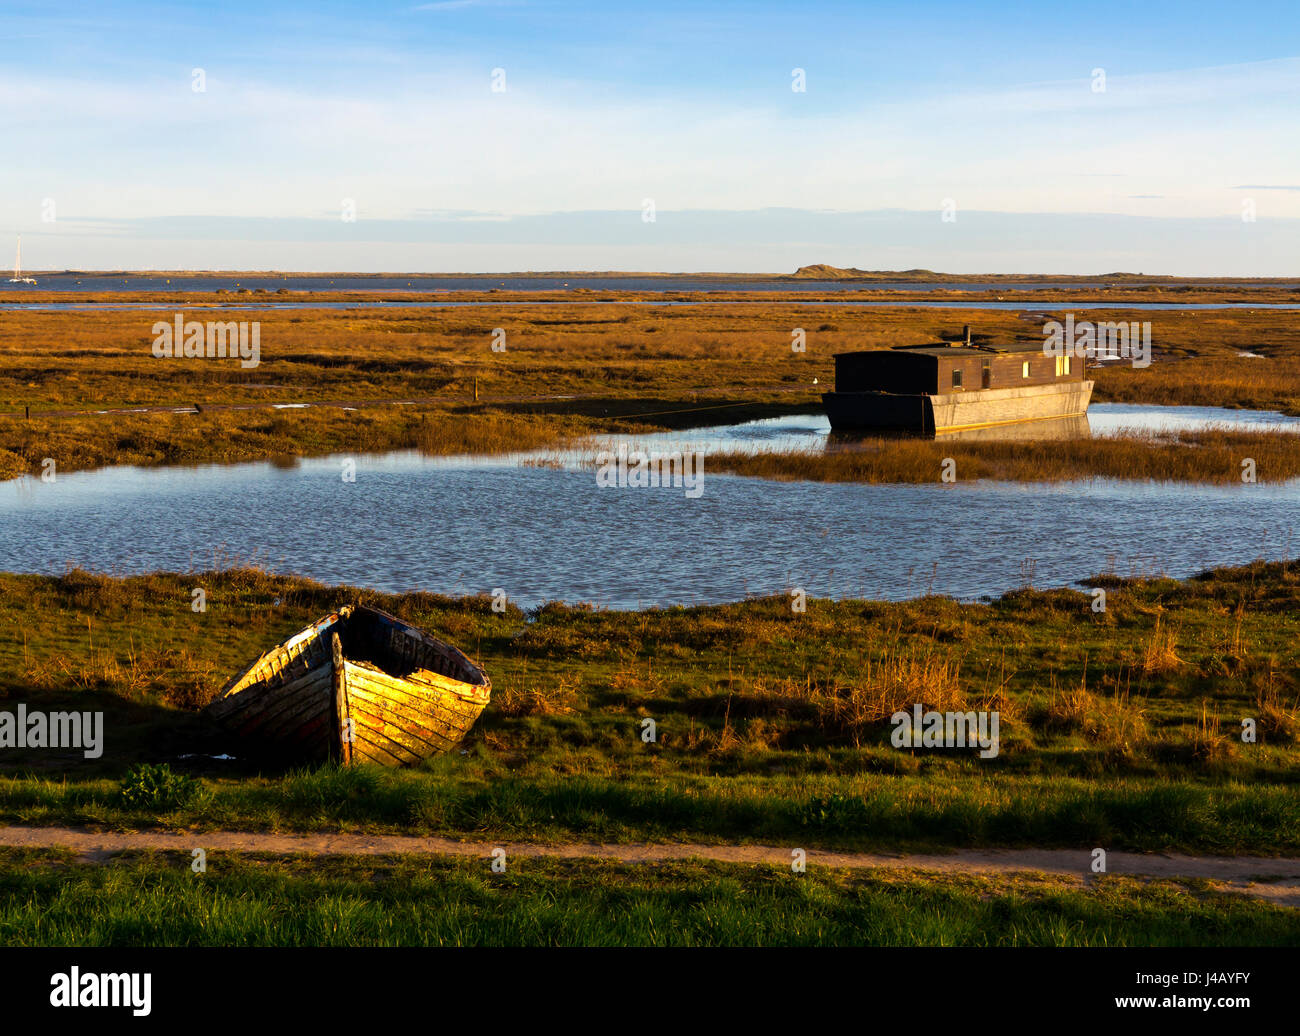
[(1057, 429), (539, 525), (315, 303), (812, 432)]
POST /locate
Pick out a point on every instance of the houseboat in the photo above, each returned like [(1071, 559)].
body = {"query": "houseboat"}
[(947, 387)]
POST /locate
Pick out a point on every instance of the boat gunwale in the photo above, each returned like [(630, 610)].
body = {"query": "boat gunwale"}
[(231, 687), (477, 692), (453, 653)]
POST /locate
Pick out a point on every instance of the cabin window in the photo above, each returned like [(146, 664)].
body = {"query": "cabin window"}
[(1059, 369), (956, 379), (1024, 369), (1066, 364), (986, 373)]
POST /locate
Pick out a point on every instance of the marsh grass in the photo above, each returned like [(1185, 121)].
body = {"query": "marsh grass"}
[(1112, 722), (914, 812), (1160, 656), (558, 696), (1211, 743), (1189, 456), (757, 711), (1279, 718), (857, 711), (146, 440), (575, 370)]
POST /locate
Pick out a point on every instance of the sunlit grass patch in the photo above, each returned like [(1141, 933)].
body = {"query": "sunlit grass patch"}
[(156, 899)]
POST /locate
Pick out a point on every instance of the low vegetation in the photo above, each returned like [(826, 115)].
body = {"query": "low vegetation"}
[(47, 898), (566, 369), (80, 443), (1118, 728), (1187, 456), (155, 787)]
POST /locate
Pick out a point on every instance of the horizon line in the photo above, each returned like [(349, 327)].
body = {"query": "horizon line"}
[(850, 274)]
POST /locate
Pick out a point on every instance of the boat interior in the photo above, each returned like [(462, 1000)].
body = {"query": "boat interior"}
[(375, 638)]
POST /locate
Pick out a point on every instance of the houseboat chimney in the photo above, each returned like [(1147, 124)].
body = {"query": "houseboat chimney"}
[(965, 333)]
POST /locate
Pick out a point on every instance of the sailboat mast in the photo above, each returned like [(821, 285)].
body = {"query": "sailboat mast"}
[(18, 277)]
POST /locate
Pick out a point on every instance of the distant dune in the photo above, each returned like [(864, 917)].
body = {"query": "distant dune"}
[(826, 272)]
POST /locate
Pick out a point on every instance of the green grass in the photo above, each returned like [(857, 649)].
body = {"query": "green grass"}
[(861, 812), (154, 899), (1119, 729)]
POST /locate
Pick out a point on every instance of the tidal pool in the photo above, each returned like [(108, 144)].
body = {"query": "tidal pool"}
[(539, 527)]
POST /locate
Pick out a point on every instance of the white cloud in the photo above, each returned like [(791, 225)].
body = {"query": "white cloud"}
[(441, 140)]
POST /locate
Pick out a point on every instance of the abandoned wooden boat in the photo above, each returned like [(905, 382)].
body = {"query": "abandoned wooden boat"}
[(356, 686)]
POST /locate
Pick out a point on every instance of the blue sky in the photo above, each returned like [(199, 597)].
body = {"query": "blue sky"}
[(111, 158)]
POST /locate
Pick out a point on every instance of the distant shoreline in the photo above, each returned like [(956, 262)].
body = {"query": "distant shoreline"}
[(806, 273)]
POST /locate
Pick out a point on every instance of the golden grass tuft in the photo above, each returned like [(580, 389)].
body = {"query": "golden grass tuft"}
[(1110, 722), (892, 682), (1278, 721), (559, 698), (1160, 655), (1210, 743)]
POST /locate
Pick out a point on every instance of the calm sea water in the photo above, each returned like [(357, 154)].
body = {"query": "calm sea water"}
[(812, 431), (121, 282), (1042, 306), (539, 527)]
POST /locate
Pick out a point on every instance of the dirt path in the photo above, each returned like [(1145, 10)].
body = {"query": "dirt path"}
[(1273, 878)]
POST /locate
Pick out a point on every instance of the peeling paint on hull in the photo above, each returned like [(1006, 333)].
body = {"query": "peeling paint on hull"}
[(359, 685)]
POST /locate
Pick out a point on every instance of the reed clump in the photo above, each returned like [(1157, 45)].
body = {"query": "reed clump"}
[(1111, 722), (1278, 718), (558, 697), (860, 709), (1190, 456), (1210, 742), (1160, 656)]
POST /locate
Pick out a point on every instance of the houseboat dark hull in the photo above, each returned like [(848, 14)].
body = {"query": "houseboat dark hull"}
[(928, 414)]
